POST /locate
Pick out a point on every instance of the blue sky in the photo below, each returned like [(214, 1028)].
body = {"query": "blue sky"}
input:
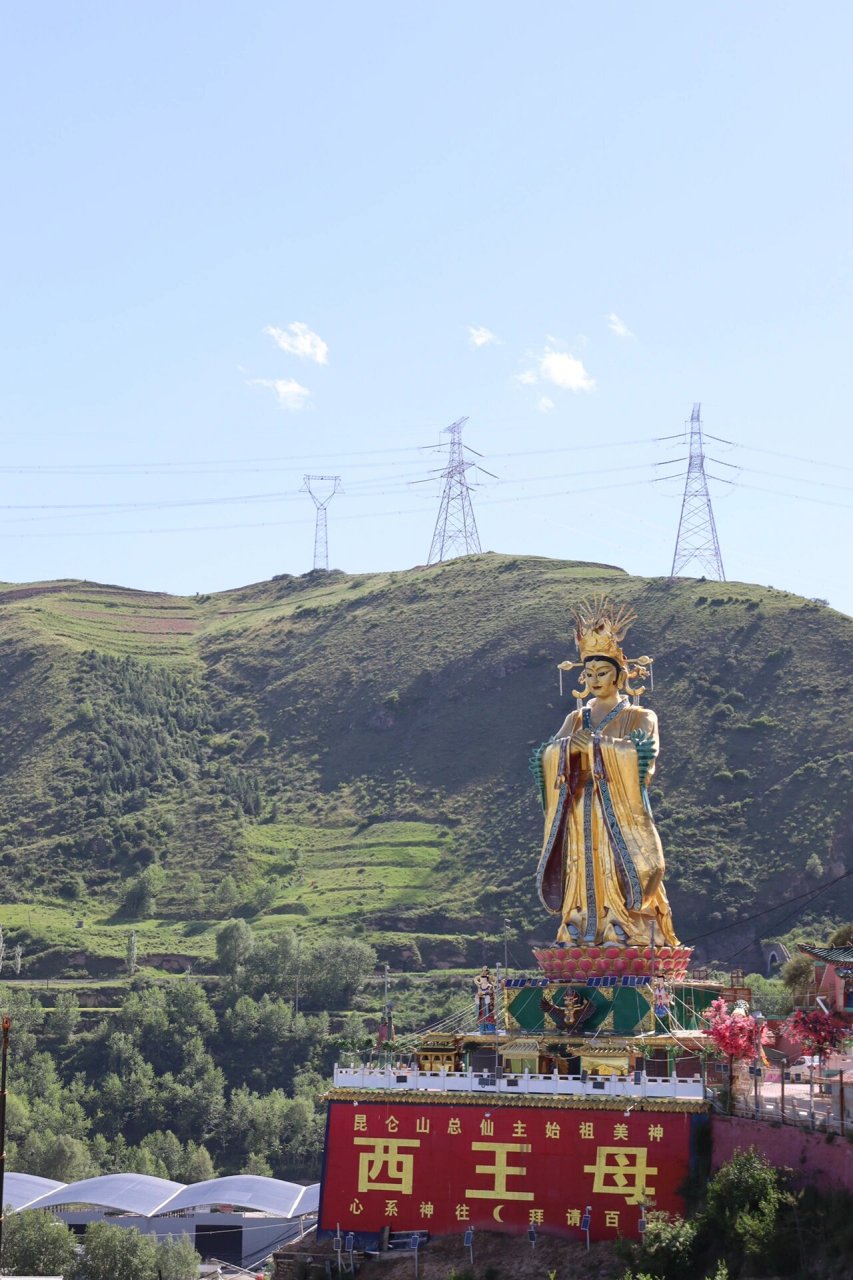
[(242, 243)]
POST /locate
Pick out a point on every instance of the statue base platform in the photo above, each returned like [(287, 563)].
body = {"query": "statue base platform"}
[(570, 963)]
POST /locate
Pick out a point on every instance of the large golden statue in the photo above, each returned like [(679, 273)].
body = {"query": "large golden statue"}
[(602, 863)]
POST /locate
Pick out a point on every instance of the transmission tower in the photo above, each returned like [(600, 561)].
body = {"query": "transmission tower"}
[(697, 532), (455, 531), (318, 486)]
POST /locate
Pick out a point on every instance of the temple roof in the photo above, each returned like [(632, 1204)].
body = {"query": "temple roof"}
[(829, 955)]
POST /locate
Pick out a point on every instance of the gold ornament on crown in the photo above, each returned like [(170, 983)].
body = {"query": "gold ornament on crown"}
[(600, 628)]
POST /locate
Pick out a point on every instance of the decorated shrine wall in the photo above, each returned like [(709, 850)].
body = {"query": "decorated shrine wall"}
[(441, 1168)]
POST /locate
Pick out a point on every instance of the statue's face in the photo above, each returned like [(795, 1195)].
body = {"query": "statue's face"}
[(602, 678)]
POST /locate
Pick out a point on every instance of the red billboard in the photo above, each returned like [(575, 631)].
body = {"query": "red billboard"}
[(442, 1168)]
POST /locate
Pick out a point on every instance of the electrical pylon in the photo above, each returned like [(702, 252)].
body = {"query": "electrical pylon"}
[(321, 531), (697, 532), (455, 531)]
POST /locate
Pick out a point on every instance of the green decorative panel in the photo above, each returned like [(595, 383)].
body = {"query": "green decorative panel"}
[(630, 1007)]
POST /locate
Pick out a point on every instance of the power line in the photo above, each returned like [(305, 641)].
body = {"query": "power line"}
[(795, 497), (264, 464), (364, 515), (362, 489), (193, 467), (810, 894), (791, 457)]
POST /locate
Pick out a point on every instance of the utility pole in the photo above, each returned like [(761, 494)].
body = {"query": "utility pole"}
[(697, 532), (321, 495), (455, 531)]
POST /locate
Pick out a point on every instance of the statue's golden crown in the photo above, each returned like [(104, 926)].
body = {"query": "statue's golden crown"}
[(600, 628)]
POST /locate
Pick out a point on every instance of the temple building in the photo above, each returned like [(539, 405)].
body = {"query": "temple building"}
[(833, 986)]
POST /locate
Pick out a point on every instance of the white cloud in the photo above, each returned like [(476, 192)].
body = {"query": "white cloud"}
[(564, 371), (557, 367), (545, 404), (298, 340), (289, 393), (480, 336), (617, 326)]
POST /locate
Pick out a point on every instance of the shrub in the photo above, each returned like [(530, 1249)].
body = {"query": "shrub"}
[(668, 1247), (743, 1203)]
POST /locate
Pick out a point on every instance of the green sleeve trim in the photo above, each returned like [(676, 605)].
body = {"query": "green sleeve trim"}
[(535, 766), (646, 752)]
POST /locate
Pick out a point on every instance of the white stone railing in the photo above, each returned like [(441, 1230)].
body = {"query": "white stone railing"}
[(636, 1085)]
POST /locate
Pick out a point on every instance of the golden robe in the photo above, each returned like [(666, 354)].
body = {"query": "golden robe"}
[(602, 863)]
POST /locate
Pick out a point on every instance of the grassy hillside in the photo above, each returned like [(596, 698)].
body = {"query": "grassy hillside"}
[(350, 754)]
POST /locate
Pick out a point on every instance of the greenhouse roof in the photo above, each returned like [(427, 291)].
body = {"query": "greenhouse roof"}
[(146, 1196)]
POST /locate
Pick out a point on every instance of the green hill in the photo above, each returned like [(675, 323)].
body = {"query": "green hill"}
[(349, 754)]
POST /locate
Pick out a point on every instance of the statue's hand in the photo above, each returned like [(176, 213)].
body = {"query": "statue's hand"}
[(582, 739)]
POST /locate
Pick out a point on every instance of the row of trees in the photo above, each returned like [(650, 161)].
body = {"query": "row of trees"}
[(185, 1084), (739, 1035), (36, 1244)]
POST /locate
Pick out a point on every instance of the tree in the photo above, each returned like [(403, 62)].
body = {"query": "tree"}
[(332, 985), (196, 1165), (227, 894), (141, 894), (63, 1018), (167, 1150), (36, 1244), (843, 936), (735, 1034), (194, 894), (798, 973), (814, 867), (816, 1031), (177, 1259), (131, 953), (770, 995), (56, 1155), (117, 1253), (234, 944)]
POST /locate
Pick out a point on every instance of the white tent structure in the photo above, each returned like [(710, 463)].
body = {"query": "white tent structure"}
[(248, 1190), (22, 1190), (146, 1196), (137, 1193), (237, 1219)]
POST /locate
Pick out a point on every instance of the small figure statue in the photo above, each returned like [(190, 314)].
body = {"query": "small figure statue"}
[(661, 998), (484, 990), (602, 863)]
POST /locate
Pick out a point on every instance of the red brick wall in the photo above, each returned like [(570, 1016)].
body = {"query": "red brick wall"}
[(813, 1160)]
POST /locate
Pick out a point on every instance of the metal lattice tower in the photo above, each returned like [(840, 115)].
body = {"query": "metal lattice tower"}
[(317, 486), (697, 532), (455, 531)]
